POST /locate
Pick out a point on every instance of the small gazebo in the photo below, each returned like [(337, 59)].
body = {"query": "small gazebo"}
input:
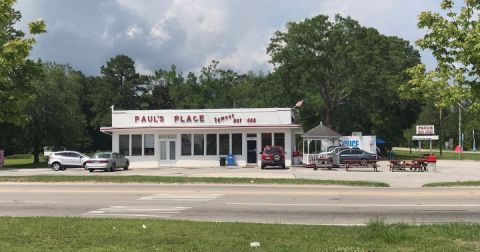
[(317, 140)]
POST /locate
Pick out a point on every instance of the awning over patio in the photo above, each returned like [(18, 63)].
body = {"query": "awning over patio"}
[(321, 132)]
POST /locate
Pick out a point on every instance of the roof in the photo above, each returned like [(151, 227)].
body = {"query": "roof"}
[(322, 131)]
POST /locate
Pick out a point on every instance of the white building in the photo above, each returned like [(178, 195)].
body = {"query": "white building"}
[(189, 138)]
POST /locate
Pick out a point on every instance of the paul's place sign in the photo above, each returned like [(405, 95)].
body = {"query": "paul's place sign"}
[(176, 119), (193, 119)]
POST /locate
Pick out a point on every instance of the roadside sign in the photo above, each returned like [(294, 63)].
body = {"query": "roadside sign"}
[(425, 129), (2, 158), (435, 137)]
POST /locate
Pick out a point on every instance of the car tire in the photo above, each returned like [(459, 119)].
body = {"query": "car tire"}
[(57, 166), (276, 157), (363, 162), (91, 170), (113, 167), (126, 166), (84, 166), (283, 166), (263, 166)]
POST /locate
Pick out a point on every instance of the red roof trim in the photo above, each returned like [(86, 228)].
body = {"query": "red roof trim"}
[(202, 127)]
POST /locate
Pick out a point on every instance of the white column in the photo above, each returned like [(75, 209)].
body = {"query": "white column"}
[(288, 147)]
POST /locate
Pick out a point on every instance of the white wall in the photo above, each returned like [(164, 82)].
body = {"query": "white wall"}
[(204, 160), (366, 143)]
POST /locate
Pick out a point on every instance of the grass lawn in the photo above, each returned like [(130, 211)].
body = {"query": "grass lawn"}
[(84, 234), (20, 161), (457, 183), (160, 179), (405, 154)]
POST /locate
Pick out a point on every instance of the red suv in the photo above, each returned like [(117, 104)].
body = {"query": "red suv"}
[(273, 156)]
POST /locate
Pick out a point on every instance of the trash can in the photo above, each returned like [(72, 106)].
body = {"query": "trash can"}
[(230, 160), (222, 161), (432, 162)]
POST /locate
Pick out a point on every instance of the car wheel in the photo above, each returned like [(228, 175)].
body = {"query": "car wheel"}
[(84, 166), (263, 166), (126, 166), (276, 157), (112, 169), (56, 166), (363, 162), (91, 170), (283, 166)]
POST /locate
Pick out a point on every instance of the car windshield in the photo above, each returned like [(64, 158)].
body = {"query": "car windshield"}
[(102, 155)]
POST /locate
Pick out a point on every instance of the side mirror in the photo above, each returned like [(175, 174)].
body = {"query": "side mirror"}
[(260, 152)]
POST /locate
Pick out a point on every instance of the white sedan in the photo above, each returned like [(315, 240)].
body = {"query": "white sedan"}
[(107, 161)]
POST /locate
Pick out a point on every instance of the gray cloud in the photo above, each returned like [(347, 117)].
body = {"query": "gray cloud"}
[(191, 33)]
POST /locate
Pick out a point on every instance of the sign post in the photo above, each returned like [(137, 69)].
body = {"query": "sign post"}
[(425, 132)]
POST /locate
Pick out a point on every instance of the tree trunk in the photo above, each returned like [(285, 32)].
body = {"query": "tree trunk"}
[(36, 154), (328, 114)]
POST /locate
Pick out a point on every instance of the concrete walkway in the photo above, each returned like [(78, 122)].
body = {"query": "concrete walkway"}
[(447, 170)]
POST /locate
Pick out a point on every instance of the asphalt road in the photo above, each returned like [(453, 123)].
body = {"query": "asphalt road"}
[(243, 203)]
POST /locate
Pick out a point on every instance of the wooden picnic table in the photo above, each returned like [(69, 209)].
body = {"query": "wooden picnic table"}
[(418, 164), (360, 163)]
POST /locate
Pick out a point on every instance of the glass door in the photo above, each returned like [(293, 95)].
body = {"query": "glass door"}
[(167, 152)]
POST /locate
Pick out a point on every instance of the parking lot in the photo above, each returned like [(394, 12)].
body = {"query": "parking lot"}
[(447, 170)]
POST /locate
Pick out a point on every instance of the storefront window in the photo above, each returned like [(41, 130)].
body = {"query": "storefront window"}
[(237, 144), (279, 139), (212, 144), (136, 145), (224, 144), (186, 144), (198, 144), (124, 145), (266, 140), (148, 144)]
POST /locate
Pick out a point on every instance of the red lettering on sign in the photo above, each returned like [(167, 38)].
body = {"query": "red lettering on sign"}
[(150, 119)]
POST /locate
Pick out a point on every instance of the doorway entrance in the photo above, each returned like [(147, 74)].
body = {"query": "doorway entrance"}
[(167, 152), (251, 151)]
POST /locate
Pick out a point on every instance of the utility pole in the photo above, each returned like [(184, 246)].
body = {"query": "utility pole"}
[(460, 130)]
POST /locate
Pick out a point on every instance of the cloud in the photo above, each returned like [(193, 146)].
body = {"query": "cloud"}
[(191, 33)]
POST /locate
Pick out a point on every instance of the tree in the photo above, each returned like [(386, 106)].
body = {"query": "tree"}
[(14, 49), (348, 74), (315, 55), (120, 85), (453, 40), (54, 112)]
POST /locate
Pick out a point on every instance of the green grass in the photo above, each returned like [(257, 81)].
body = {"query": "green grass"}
[(84, 234), (22, 163), (20, 156), (160, 179), (456, 183), (405, 154)]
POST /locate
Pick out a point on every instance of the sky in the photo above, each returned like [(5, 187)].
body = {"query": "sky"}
[(191, 33)]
